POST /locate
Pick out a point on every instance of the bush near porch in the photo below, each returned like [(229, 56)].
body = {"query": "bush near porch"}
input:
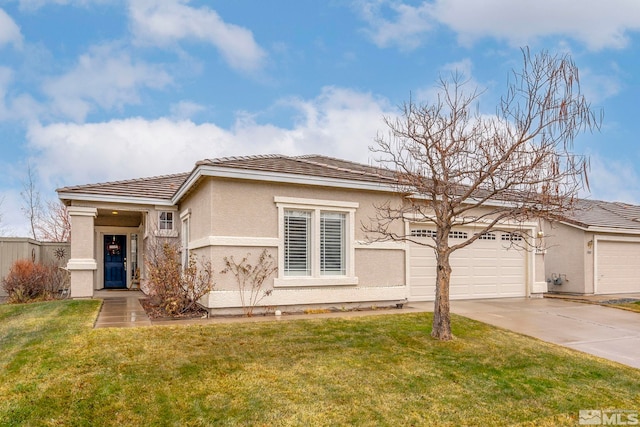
[(33, 281), (379, 370)]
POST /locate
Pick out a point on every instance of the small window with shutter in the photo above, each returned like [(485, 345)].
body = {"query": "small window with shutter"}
[(332, 243), (297, 236)]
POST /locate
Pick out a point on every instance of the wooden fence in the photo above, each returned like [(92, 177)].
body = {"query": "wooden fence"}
[(15, 248)]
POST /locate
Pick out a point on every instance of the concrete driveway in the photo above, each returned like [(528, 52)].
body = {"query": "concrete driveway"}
[(606, 332)]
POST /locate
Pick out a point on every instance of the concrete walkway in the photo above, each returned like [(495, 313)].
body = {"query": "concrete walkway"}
[(601, 331), (606, 332), (121, 309)]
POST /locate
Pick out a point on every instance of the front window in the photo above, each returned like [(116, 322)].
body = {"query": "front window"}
[(332, 243), (297, 236), (317, 242), (166, 221)]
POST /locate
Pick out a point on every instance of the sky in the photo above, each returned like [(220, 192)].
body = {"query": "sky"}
[(103, 90)]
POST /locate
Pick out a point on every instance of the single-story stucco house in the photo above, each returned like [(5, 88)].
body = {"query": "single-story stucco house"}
[(307, 212), (594, 250)]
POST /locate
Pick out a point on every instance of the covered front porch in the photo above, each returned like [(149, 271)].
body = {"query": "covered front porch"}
[(106, 248)]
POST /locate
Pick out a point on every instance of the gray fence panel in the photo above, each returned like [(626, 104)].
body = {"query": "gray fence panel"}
[(15, 248)]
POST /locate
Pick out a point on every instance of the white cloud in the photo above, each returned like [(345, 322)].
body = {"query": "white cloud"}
[(9, 31), (595, 23), (597, 86), (105, 77), (16, 107), (609, 180), (6, 77), (405, 28), (167, 22), (461, 70), (36, 4), (185, 110), (339, 122), (13, 222)]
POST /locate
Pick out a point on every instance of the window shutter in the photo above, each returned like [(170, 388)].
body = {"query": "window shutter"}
[(297, 231), (332, 243)]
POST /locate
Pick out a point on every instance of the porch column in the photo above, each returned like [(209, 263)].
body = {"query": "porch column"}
[(82, 264)]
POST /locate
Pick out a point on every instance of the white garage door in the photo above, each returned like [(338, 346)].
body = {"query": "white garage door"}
[(618, 267), (488, 268)]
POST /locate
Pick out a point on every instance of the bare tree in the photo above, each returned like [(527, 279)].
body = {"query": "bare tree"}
[(49, 221), (54, 224), (457, 167), (32, 207)]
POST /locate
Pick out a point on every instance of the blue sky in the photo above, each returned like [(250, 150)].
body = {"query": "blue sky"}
[(93, 91)]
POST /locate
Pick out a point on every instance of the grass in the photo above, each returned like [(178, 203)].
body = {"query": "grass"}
[(378, 370), (630, 306)]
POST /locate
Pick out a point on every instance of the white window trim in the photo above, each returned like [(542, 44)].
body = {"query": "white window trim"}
[(171, 222), (185, 235), (156, 226), (316, 207)]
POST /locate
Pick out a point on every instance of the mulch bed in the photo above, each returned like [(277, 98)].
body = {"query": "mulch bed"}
[(156, 313)]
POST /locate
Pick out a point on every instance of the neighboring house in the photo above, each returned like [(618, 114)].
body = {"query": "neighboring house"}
[(595, 250), (307, 211)]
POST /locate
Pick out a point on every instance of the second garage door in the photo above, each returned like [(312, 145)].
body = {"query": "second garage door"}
[(618, 265), (488, 268)]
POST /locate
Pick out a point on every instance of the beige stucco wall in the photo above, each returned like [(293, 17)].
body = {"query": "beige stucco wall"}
[(236, 218), (568, 256), (247, 209), (200, 201), (380, 267), (216, 255)]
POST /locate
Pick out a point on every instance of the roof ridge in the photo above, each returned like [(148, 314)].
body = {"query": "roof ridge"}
[(218, 160), (305, 159)]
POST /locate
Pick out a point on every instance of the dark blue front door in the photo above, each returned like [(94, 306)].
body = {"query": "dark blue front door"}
[(115, 259)]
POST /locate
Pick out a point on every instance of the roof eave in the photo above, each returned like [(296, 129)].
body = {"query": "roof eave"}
[(87, 197), (281, 177), (600, 229)]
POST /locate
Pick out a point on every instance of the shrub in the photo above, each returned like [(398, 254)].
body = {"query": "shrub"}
[(174, 290), (29, 281), (251, 278)]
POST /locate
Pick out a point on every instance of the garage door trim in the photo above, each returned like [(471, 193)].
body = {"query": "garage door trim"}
[(596, 240), (528, 261)]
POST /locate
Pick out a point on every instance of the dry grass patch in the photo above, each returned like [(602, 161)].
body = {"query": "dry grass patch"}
[(379, 370), (630, 306)]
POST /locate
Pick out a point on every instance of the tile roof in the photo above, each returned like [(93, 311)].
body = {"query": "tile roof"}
[(597, 213), (164, 187), (310, 165), (157, 187), (589, 213)]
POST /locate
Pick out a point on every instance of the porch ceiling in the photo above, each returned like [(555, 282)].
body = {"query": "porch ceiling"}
[(118, 218)]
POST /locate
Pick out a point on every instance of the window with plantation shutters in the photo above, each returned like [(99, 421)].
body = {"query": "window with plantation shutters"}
[(332, 243), (316, 242), (297, 236)]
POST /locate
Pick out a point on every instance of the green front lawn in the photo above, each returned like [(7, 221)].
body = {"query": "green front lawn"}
[(379, 370), (630, 306)]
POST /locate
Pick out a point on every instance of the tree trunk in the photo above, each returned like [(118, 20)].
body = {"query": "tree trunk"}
[(441, 329)]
